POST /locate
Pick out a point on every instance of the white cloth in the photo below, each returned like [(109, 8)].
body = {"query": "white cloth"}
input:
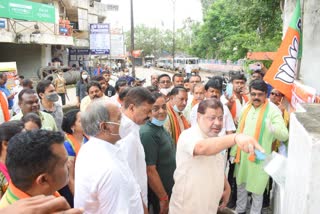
[(188, 68), (115, 99), (103, 180), (1, 112), (228, 124), (199, 180), (16, 107), (238, 105), (132, 148)]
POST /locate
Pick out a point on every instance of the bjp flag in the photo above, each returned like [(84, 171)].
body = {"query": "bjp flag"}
[(282, 72)]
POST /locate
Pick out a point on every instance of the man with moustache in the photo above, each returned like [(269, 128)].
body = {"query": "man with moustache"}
[(262, 120), (136, 112), (95, 91), (177, 121), (29, 102), (213, 89), (154, 80), (177, 79), (199, 178), (238, 99)]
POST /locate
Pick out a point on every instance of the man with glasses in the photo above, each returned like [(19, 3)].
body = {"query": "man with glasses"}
[(200, 183), (279, 100), (262, 120), (177, 121), (164, 83), (104, 182)]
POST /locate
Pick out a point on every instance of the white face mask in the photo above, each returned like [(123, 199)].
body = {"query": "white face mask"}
[(84, 76), (17, 82), (165, 91)]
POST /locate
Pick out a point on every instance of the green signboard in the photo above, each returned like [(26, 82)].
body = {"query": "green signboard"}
[(27, 10)]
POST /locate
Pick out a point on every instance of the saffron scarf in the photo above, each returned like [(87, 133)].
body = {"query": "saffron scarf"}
[(233, 109), (75, 145), (14, 194), (194, 102), (174, 123), (4, 107), (260, 125)]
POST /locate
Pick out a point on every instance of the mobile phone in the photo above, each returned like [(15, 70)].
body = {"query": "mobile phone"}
[(229, 90)]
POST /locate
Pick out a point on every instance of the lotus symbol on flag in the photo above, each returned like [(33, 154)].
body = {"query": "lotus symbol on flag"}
[(286, 72)]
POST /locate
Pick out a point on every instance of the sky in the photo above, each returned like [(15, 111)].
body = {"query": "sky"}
[(156, 13)]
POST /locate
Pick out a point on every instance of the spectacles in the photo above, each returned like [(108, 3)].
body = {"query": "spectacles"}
[(257, 94), (165, 82), (275, 94), (112, 123)]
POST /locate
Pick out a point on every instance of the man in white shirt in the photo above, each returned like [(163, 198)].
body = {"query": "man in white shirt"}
[(136, 111), (213, 89), (199, 178), (104, 182)]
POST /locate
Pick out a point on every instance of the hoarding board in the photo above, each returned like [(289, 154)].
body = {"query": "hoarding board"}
[(99, 39), (27, 10)]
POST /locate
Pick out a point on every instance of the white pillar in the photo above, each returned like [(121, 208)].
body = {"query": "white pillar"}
[(302, 183), (45, 55), (310, 62)]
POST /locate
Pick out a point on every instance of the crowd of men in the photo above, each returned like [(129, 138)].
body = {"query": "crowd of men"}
[(179, 145)]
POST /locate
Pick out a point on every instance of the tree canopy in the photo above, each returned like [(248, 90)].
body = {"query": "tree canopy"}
[(229, 30)]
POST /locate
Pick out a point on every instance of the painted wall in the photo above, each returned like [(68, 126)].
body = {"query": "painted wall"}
[(28, 57)]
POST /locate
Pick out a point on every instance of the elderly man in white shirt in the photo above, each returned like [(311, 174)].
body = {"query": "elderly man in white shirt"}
[(136, 111), (104, 182)]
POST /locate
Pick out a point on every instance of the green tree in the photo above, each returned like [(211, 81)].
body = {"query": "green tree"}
[(232, 28)]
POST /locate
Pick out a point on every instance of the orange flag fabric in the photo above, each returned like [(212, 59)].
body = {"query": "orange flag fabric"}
[(282, 72)]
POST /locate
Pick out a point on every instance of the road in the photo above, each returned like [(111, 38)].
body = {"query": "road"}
[(142, 73)]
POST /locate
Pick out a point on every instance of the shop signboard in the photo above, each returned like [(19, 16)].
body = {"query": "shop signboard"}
[(27, 10)]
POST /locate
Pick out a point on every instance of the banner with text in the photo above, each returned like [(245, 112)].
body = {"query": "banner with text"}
[(27, 10), (99, 39)]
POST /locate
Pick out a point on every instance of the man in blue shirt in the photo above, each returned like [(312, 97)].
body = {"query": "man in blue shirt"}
[(5, 90)]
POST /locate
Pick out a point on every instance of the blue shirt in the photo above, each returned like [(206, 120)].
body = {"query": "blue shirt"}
[(7, 93)]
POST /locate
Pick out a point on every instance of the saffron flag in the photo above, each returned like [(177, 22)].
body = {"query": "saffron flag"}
[(282, 72)]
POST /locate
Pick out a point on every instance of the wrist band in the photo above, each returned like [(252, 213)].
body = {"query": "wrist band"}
[(165, 198)]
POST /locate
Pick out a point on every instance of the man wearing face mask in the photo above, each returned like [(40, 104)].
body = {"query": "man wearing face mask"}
[(48, 101), (136, 111), (164, 84), (104, 182), (177, 122)]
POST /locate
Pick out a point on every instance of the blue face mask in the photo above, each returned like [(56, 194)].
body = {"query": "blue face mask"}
[(175, 108), (158, 122)]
